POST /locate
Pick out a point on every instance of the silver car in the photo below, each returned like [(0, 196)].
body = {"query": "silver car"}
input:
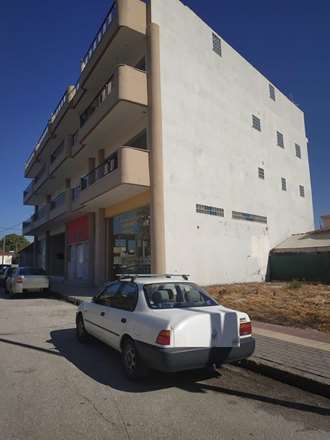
[(26, 279)]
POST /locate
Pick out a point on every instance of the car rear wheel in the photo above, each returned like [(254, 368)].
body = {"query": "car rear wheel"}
[(82, 334), (134, 367)]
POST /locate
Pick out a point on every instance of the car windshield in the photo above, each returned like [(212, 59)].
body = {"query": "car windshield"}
[(31, 271), (176, 295)]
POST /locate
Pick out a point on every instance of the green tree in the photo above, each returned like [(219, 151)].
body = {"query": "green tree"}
[(14, 242)]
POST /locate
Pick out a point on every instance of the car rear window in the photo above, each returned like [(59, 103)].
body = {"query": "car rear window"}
[(176, 295), (31, 271)]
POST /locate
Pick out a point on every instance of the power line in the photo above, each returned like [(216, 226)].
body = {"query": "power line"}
[(7, 228)]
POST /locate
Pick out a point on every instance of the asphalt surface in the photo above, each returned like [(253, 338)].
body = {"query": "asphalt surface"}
[(52, 387)]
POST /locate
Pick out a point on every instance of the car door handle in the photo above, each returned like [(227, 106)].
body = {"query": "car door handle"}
[(123, 320), (102, 313)]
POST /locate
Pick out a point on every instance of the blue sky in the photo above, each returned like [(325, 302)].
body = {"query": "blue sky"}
[(41, 43)]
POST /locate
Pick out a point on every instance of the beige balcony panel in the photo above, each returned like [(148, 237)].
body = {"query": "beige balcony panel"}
[(31, 227), (132, 14), (62, 156), (129, 86), (128, 28), (132, 85), (64, 208), (130, 178)]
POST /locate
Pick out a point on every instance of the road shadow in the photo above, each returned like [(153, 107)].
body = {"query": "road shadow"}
[(103, 365)]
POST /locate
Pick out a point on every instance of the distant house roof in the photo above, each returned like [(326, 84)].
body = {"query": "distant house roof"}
[(315, 241), (5, 253)]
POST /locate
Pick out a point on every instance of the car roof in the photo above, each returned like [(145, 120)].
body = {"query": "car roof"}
[(153, 279)]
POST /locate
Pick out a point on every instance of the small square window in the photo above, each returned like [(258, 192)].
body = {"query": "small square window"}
[(272, 92), (261, 173), (301, 191), (284, 186), (298, 151), (256, 123), (280, 139), (216, 44)]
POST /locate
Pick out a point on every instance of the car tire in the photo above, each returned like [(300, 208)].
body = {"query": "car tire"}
[(81, 332), (134, 367)]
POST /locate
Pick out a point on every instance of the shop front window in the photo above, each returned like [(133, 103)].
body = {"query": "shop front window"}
[(131, 242)]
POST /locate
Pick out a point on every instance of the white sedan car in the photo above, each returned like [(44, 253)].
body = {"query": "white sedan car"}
[(165, 323), (26, 279)]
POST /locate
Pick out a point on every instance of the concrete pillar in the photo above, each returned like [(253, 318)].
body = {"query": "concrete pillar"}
[(100, 247), (100, 161), (91, 167), (91, 249), (48, 251), (35, 251), (155, 144), (100, 156)]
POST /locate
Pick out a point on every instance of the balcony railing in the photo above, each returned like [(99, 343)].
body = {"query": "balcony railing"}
[(100, 98), (36, 148), (107, 167), (99, 36), (41, 213), (75, 193), (57, 152), (28, 189), (58, 201)]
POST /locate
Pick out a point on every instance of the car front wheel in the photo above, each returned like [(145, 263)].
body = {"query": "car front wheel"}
[(82, 334), (132, 362)]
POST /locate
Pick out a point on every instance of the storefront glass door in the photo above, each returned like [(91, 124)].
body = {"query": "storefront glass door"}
[(131, 242)]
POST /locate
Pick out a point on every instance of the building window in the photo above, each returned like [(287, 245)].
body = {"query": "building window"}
[(216, 44), (280, 139), (301, 191), (210, 210), (284, 187), (249, 217), (298, 151), (272, 92), (261, 173), (256, 123)]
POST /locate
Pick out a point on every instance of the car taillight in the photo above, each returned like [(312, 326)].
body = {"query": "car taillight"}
[(245, 328), (164, 337), (19, 280)]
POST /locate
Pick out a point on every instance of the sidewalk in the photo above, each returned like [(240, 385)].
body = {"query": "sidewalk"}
[(300, 357), (71, 292), (296, 356)]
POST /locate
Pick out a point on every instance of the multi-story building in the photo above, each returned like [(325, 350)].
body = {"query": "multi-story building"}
[(171, 153)]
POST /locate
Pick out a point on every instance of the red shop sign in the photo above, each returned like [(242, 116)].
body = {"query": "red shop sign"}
[(78, 230)]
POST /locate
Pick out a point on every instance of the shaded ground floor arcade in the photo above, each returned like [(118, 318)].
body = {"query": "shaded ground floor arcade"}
[(96, 246)]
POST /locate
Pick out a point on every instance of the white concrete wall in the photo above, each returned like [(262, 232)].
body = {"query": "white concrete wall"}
[(212, 155)]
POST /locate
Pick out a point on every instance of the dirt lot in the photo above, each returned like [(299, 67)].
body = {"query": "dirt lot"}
[(293, 304)]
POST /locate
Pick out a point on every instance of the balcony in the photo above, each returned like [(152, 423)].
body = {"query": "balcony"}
[(31, 164), (60, 205), (122, 98), (31, 195), (121, 176), (60, 154), (36, 220), (124, 25)]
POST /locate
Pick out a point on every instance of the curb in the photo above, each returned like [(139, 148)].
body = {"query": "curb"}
[(286, 375), (70, 299)]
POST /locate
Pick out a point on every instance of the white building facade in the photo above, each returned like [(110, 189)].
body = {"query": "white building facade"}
[(197, 165), (213, 156)]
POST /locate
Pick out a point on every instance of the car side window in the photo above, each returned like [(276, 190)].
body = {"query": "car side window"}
[(105, 297), (126, 298)]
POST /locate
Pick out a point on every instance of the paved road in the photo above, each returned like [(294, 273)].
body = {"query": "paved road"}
[(54, 388)]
